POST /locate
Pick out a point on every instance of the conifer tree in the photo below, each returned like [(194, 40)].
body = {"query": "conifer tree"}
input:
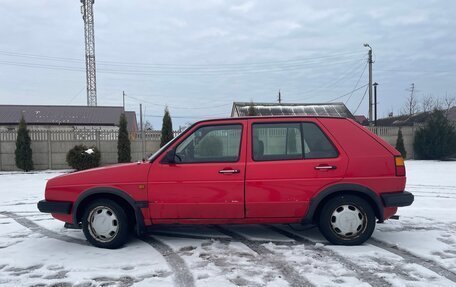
[(437, 139), (252, 111), (123, 142), (167, 129), (400, 144), (23, 147)]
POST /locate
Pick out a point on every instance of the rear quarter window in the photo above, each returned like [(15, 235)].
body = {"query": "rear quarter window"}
[(316, 144)]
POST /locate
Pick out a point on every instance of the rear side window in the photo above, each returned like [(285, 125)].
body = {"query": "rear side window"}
[(281, 141), (285, 141), (316, 144)]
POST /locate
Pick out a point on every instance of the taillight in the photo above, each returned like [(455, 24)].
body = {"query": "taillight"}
[(400, 166)]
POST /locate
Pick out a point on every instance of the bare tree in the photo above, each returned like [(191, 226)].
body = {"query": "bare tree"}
[(148, 126), (427, 103), (411, 105), (448, 102)]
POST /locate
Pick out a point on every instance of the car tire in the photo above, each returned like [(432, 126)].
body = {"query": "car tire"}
[(105, 224), (347, 220)]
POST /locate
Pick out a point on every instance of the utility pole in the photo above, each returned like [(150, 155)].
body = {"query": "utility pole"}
[(143, 146), (123, 100), (280, 98), (369, 60), (89, 36), (375, 103)]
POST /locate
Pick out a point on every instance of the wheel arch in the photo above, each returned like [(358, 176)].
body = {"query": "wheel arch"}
[(132, 207), (318, 201)]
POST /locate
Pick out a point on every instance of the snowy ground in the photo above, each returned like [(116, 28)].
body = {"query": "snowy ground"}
[(417, 250)]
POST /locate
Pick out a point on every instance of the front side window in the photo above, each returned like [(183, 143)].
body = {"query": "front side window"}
[(280, 141), (211, 144)]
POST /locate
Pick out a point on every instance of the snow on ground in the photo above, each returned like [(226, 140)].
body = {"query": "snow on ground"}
[(417, 250)]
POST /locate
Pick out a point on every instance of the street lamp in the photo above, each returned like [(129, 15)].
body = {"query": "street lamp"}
[(370, 81)]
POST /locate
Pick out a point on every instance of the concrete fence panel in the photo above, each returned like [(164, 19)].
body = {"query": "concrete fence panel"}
[(50, 147)]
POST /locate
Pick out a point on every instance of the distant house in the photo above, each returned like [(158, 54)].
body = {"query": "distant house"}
[(241, 109), (416, 119), (362, 120), (65, 117)]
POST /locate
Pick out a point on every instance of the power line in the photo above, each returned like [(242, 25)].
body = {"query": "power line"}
[(175, 107), (344, 95), (365, 92), (331, 84), (357, 82), (176, 71), (74, 97), (162, 65)]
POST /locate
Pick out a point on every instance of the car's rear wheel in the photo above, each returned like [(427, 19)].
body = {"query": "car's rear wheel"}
[(347, 220), (105, 224)]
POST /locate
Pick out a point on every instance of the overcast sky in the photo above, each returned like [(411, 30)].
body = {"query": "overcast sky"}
[(198, 57)]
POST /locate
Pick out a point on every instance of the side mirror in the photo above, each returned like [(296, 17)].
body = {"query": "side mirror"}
[(170, 157)]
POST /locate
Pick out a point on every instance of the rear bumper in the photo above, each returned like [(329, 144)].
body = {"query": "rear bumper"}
[(61, 207), (397, 199)]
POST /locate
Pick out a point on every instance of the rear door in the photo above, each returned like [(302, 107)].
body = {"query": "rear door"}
[(287, 163), (207, 179)]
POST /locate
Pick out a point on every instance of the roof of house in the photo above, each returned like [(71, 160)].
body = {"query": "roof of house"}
[(361, 119), (66, 115), (241, 109), (418, 118)]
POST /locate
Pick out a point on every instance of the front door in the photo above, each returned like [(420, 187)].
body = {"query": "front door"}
[(207, 178)]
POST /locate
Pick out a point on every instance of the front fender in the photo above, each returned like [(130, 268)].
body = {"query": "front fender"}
[(111, 192)]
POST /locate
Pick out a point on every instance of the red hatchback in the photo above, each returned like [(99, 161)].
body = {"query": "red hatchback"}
[(311, 170)]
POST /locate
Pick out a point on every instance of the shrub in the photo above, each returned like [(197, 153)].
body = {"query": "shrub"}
[(167, 129), (23, 152), (400, 144), (437, 139), (81, 157), (123, 142)]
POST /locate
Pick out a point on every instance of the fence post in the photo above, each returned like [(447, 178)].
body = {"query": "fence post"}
[(97, 135), (49, 149), (1, 166)]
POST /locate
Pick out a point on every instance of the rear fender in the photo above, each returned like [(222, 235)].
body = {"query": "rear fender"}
[(317, 202)]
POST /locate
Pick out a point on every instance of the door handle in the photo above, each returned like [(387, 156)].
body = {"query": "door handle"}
[(229, 171), (325, 167)]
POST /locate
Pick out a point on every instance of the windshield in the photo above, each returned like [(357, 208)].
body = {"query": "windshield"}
[(153, 156)]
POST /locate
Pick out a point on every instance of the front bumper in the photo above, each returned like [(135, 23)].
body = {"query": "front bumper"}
[(397, 199), (62, 207)]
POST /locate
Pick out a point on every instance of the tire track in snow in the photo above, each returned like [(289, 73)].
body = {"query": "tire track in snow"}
[(182, 275), (407, 256), (269, 257), (27, 223), (411, 258), (189, 236), (363, 274)]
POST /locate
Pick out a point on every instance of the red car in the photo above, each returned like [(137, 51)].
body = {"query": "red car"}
[(327, 171)]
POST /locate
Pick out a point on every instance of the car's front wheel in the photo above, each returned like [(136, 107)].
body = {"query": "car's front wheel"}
[(105, 224), (347, 220)]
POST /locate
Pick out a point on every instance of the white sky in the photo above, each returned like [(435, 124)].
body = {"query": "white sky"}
[(200, 56)]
